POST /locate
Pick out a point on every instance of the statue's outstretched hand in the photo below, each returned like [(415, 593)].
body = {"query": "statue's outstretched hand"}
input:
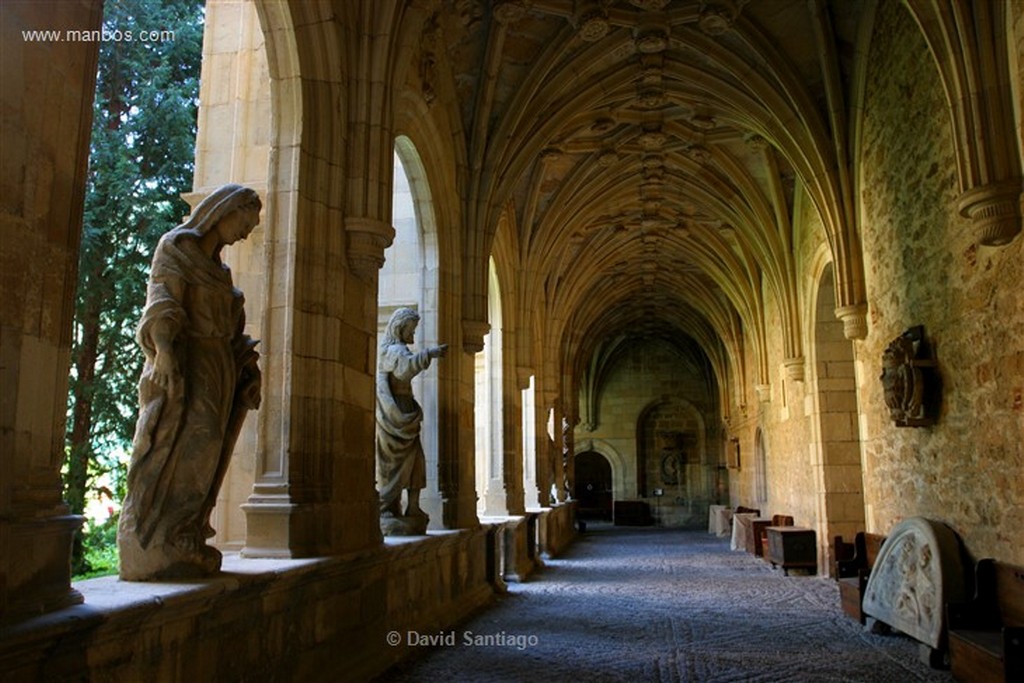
[(439, 351)]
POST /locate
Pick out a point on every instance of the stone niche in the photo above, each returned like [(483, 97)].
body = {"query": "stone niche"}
[(919, 569)]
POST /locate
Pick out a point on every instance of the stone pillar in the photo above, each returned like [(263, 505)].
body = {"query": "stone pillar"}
[(47, 104), (545, 445), (456, 459), (558, 454), (513, 432), (233, 144)]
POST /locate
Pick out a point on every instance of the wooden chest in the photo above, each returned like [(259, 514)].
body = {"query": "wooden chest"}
[(791, 546)]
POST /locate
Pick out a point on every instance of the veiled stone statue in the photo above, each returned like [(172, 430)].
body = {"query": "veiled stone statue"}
[(400, 461), (199, 380)]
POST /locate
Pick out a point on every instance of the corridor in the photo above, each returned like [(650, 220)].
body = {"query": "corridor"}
[(659, 605)]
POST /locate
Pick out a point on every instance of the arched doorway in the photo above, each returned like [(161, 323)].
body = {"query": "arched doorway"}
[(839, 473), (593, 489)]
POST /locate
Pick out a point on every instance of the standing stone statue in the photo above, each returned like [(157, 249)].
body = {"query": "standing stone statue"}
[(199, 380), (400, 461)]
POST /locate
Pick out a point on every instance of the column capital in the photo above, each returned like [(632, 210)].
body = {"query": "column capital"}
[(794, 369), (994, 210), (367, 240), (473, 332), (855, 320)]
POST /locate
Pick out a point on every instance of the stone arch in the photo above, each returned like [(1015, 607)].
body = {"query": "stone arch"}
[(837, 457), (594, 486), (973, 61), (409, 278), (672, 458), (250, 130), (615, 459)]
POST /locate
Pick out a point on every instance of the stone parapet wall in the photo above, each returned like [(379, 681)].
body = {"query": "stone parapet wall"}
[(305, 620), (557, 528)]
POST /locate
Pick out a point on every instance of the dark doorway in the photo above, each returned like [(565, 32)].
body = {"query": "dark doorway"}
[(593, 486)]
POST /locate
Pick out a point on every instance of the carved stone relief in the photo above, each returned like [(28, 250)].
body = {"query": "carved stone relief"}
[(907, 379), (918, 571)]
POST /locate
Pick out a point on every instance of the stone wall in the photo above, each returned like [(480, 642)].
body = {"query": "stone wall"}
[(653, 389), (923, 267), (785, 421), (305, 620)]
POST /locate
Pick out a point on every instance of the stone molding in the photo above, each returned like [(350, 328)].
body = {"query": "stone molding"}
[(994, 210), (855, 320), (367, 240), (795, 368), (473, 332)]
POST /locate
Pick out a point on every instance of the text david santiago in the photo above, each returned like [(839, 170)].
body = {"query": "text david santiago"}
[(500, 639)]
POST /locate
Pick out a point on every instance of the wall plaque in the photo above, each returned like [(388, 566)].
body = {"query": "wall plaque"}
[(909, 380)]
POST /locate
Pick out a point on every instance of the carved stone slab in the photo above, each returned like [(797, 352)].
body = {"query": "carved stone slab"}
[(919, 570)]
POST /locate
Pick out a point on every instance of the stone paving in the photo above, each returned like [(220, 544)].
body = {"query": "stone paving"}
[(664, 605)]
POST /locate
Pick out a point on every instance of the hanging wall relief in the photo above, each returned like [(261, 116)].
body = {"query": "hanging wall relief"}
[(909, 380)]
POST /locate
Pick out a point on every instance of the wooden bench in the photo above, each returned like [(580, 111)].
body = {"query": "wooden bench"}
[(986, 635), (852, 571)]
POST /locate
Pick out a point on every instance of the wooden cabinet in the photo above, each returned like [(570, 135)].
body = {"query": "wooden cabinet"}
[(791, 546)]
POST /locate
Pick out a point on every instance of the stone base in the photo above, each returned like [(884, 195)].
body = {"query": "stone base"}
[(35, 566), (414, 525), (161, 562)]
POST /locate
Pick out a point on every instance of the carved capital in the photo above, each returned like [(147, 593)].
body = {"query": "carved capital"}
[(473, 332), (607, 158), (650, 5), (794, 368), (509, 11), (652, 140), (651, 41), (755, 142), (717, 16), (698, 153), (550, 154), (594, 25), (367, 240), (994, 210), (855, 320), (764, 392)]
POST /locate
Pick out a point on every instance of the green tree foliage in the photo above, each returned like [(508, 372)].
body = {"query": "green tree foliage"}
[(141, 160)]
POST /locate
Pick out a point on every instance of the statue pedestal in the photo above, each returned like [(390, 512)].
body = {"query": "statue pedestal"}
[(415, 525)]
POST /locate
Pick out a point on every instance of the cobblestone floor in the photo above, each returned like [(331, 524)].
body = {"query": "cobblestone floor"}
[(657, 605)]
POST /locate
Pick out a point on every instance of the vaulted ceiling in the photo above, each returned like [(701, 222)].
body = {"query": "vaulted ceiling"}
[(649, 153)]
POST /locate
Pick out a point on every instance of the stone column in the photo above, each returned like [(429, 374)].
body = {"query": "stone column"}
[(512, 415), (47, 103), (456, 459)]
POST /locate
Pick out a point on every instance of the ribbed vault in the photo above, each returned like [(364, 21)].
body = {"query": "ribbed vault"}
[(646, 161), (649, 156)]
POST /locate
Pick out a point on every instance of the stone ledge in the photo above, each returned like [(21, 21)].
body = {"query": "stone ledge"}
[(299, 614)]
